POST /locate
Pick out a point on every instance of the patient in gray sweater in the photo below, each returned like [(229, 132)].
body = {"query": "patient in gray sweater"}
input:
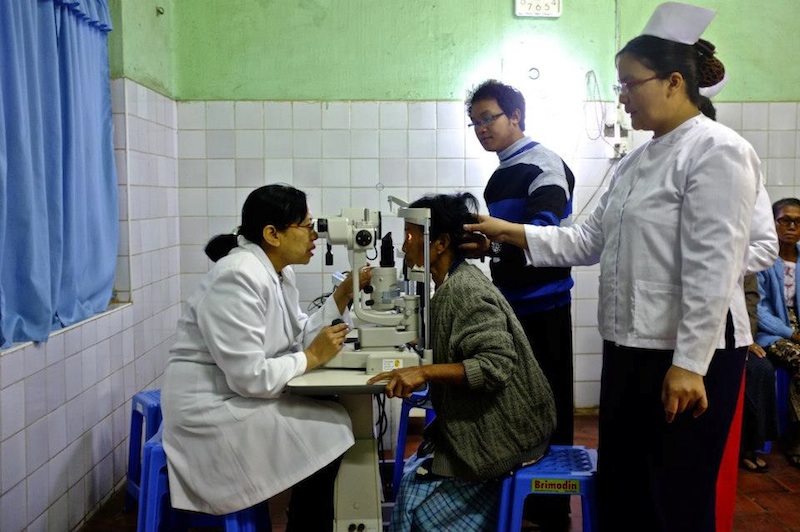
[(494, 407)]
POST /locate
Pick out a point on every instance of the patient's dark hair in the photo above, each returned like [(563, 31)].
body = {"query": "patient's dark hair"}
[(784, 202), (278, 205), (449, 213)]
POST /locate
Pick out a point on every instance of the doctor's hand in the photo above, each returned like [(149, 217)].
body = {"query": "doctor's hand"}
[(683, 390), (498, 230), (326, 345), (401, 382)]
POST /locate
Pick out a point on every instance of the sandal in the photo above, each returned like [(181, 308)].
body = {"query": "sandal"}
[(750, 461), (794, 460)]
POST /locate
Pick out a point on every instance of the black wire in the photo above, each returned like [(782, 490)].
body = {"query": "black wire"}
[(382, 425)]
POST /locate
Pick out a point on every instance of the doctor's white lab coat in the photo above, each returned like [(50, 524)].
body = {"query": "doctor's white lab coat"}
[(232, 437)]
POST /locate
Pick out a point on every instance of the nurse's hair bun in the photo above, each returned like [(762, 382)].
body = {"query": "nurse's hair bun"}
[(710, 69)]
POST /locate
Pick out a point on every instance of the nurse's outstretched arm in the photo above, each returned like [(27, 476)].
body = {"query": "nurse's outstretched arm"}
[(498, 230)]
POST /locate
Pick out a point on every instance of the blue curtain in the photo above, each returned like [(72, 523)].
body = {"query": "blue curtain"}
[(58, 183)]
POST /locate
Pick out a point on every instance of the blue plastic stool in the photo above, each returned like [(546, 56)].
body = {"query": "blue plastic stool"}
[(563, 470), (145, 419), (155, 512), (782, 383), (417, 400)]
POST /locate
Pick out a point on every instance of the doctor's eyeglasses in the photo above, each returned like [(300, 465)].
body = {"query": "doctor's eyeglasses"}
[(310, 226)]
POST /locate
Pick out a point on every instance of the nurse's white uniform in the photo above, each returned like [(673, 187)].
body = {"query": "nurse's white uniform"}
[(232, 437)]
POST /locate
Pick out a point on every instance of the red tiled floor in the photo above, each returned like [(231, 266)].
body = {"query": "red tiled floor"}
[(765, 502)]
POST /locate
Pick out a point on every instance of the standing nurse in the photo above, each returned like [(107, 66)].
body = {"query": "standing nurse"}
[(671, 235)]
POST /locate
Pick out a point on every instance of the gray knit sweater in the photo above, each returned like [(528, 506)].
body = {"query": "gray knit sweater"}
[(505, 414)]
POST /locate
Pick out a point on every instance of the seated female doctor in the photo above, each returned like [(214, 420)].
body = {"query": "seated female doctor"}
[(232, 438)]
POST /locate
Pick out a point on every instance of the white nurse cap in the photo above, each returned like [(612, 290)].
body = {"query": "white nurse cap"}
[(678, 22), (710, 92)]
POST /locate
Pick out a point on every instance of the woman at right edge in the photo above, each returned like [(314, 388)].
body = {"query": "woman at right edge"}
[(671, 235)]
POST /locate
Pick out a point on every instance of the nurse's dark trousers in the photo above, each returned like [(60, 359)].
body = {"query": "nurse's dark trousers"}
[(652, 475)]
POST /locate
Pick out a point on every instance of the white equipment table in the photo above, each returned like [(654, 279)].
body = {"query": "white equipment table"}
[(358, 491)]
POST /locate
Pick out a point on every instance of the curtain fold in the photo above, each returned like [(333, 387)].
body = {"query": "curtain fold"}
[(58, 195)]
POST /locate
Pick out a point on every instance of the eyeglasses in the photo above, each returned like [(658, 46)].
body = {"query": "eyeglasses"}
[(310, 226), (624, 87), (485, 121), (786, 221)]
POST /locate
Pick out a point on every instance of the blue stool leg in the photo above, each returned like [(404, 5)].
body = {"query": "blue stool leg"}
[(134, 460), (506, 496), (517, 504), (400, 448)]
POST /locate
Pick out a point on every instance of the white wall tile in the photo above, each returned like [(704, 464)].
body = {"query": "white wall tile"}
[(393, 115), (422, 172), (249, 115), (220, 173), (249, 144), (222, 202), (782, 143), (193, 202), (393, 172), (13, 508), (220, 144), (192, 144), (249, 173), (783, 116), (422, 115), (220, 115), (36, 445), (587, 394), (730, 114), (37, 484), (421, 143), (393, 143), (277, 115), (192, 173), (12, 409), (278, 143), (35, 397), (191, 115), (12, 467), (335, 115), (306, 115), (449, 143), (278, 171), (364, 172), (307, 144), (364, 143), (57, 431), (336, 173), (451, 115), (307, 173), (755, 116), (450, 173), (336, 143), (364, 115), (12, 367)]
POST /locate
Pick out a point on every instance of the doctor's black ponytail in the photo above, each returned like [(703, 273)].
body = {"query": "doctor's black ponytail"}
[(278, 205)]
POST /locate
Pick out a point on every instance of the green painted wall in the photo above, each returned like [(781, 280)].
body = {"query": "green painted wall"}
[(419, 49), (142, 45)]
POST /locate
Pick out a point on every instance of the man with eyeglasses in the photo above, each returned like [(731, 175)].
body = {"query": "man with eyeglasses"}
[(531, 185)]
